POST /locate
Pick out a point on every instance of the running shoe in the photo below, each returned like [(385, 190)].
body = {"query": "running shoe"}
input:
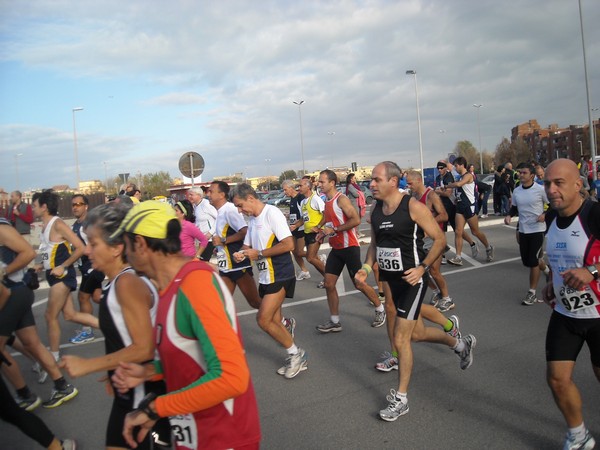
[(466, 356), (388, 362), (42, 374), (395, 408), (455, 331), (379, 319), (303, 275), (445, 305), (290, 324), (281, 370), (323, 258), (321, 285), (69, 444), (28, 403), (529, 299), (330, 327), (484, 216), (456, 261), (444, 262), (58, 397), (435, 298), (82, 337), (294, 363), (489, 252), (474, 250), (587, 443)]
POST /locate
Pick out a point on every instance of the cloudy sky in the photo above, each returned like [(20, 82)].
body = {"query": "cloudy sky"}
[(157, 79)]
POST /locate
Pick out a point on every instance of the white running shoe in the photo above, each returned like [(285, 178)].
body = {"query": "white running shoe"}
[(303, 275)]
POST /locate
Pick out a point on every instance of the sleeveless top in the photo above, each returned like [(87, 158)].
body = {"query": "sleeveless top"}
[(423, 200), (84, 262), (53, 253), (573, 247), (466, 192), (7, 256), (229, 222), (398, 238), (334, 217), (116, 334), (310, 215)]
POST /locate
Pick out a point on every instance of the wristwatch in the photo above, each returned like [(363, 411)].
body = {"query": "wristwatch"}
[(424, 266), (593, 270), (145, 406), (260, 255)]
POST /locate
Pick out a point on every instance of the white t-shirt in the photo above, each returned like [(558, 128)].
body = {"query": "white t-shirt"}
[(265, 231), (530, 202), (206, 216)]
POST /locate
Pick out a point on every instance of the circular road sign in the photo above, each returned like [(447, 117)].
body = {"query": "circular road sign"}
[(191, 160)]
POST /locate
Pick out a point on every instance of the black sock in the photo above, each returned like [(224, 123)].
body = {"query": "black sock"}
[(24, 392), (60, 384)]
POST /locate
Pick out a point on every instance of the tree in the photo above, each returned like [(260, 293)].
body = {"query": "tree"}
[(287, 175), (504, 152), (154, 184), (522, 152), (467, 151)]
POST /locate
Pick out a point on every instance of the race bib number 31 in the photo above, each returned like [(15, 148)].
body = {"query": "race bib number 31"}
[(184, 431), (389, 259)]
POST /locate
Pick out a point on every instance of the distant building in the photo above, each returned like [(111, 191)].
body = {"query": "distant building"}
[(91, 187), (552, 142)]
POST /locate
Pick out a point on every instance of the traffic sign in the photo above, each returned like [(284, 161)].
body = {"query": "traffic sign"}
[(191, 165)]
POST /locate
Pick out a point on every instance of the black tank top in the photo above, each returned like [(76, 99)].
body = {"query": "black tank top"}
[(399, 240)]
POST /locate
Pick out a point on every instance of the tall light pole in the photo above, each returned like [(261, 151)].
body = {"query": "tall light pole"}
[(332, 134), (595, 137), (414, 74), (299, 103), (17, 168), (268, 160), (79, 108), (105, 175), (580, 148), (479, 133), (589, 104)]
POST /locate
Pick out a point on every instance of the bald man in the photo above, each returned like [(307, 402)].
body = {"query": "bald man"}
[(573, 250)]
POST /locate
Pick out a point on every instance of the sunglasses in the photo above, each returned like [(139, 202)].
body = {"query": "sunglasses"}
[(77, 204)]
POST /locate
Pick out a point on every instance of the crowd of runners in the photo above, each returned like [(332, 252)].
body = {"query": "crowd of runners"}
[(164, 279)]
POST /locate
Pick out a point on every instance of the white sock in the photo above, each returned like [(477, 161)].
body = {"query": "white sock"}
[(87, 330), (56, 356), (292, 350), (379, 308), (532, 291), (402, 396), (460, 346), (335, 319), (578, 432), (447, 299)]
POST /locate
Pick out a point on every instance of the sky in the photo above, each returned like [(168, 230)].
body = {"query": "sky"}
[(158, 79)]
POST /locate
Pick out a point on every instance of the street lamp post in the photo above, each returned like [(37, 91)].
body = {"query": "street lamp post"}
[(75, 143), (587, 90), (299, 103), (580, 148), (332, 134), (105, 175), (17, 168), (479, 133), (414, 74), (268, 160)]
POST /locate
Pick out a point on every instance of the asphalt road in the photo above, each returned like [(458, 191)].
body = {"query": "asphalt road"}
[(501, 402)]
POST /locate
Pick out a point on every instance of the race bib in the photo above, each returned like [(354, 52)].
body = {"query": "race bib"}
[(389, 259), (44, 251), (184, 431), (574, 300), (222, 260)]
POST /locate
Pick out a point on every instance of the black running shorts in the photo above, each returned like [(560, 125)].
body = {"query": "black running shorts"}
[(565, 338)]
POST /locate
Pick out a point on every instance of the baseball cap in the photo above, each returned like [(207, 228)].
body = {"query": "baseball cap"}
[(441, 165), (148, 219)]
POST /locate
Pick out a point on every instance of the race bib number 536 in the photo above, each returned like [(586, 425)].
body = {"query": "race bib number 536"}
[(389, 259)]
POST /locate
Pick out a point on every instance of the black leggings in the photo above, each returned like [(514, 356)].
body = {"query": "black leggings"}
[(27, 422)]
